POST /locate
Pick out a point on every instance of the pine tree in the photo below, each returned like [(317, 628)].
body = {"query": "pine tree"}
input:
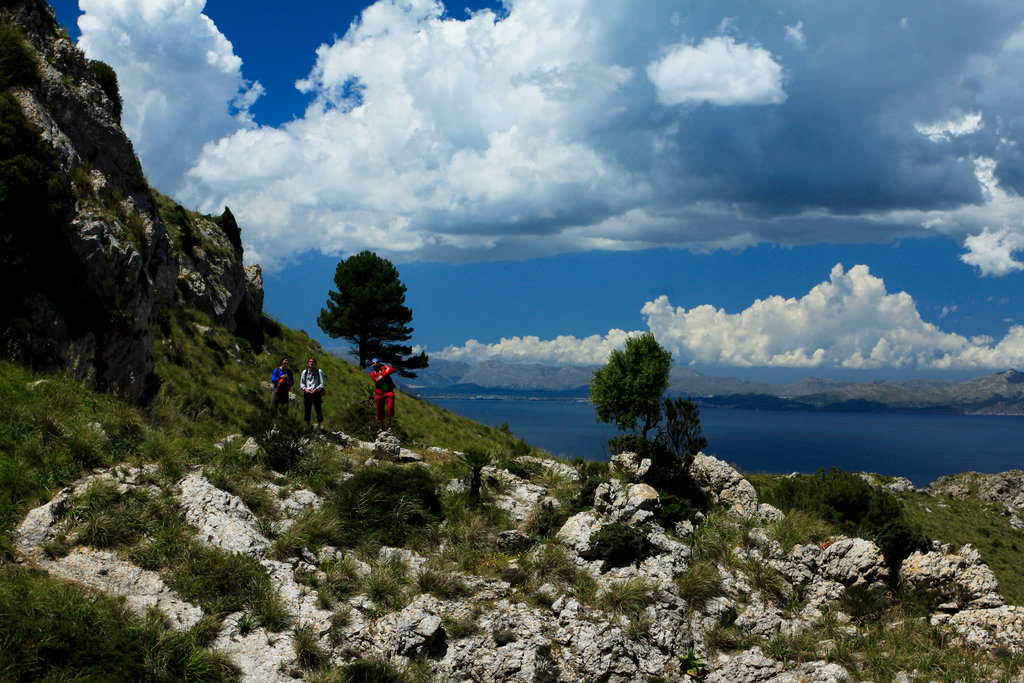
[(368, 309)]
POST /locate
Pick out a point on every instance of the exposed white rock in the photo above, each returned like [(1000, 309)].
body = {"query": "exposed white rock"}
[(630, 464), (387, 446), (575, 534), (557, 468), (519, 497), (263, 657), (991, 628), (629, 504), (222, 518), (724, 485), (961, 579), (141, 589), (853, 562)]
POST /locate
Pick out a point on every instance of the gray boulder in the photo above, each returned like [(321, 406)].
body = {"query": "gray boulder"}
[(853, 562), (723, 484), (961, 579)]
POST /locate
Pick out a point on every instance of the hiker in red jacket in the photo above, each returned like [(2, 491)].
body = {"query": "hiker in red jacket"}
[(385, 395)]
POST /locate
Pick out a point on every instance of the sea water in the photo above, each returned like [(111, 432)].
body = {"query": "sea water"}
[(921, 448)]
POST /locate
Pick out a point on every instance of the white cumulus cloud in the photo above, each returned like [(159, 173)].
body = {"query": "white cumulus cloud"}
[(992, 251), (563, 350), (850, 321), (577, 125), (180, 80), (719, 71)]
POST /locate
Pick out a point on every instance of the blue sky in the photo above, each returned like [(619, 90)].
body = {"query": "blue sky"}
[(780, 187)]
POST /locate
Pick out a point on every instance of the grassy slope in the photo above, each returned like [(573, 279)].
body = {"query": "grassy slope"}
[(217, 382), (981, 524), (54, 431)]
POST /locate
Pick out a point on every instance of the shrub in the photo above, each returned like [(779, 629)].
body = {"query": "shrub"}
[(386, 582), (523, 470), (592, 474), (629, 598), (441, 583), (309, 654), (371, 671), (18, 62), (699, 583), (620, 545), (549, 564), (358, 416), (845, 499), (475, 460), (107, 78), (549, 520), (282, 446), (385, 505)]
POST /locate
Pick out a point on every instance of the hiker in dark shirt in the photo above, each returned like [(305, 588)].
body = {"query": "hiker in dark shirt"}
[(282, 379)]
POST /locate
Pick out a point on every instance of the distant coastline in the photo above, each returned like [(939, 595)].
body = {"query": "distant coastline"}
[(999, 394)]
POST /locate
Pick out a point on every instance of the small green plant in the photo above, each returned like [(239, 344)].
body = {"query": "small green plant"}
[(457, 629), (309, 654), (693, 664), (283, 445), (386, 505), (475, 459), (549, 564), (371, 671), (386, 583), (18, 62), (441, 583), (81, 181), (699, 583), (504, 637), (549, 520), (628, 598)]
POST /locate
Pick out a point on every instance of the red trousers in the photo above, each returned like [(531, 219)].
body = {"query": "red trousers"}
[(382, 399)]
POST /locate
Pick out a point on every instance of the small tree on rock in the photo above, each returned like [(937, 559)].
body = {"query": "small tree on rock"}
[(368, 309), (628, 389)]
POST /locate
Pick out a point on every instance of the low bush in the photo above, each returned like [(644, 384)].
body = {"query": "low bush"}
[(370, 671), (18, 62), (385, 505), (549, 520), (620, 545), (107, 78), (847, 500), (592, 474), (699, 583)]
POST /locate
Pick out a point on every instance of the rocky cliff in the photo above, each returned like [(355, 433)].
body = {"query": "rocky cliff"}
[(96, 265)]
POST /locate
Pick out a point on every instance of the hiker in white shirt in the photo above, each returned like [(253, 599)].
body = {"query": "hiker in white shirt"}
[(312, 383)]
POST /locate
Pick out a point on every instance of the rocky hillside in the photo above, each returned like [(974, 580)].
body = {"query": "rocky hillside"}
[(201, 541), (92, 262), (515, 585)]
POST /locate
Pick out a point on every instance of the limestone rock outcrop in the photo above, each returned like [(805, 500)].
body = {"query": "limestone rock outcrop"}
[(117, 267), (504, 629)]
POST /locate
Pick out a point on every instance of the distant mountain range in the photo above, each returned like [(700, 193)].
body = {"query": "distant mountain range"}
[(996, 394)]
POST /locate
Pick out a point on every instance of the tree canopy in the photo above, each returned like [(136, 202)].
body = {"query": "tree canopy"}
[(628, 389), (368, 309)]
